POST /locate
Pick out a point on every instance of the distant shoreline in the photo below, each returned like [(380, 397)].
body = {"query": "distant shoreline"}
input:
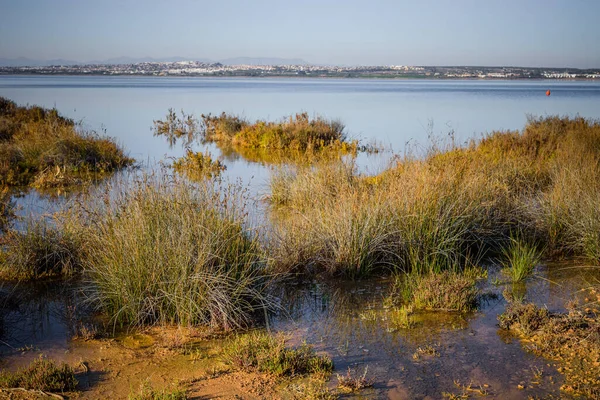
[(282, 76)]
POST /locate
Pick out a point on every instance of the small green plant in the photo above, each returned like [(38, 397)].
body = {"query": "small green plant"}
[(402, 317), (147, 392), (312, 391), (519, 259), (267, 353), (42, 374)]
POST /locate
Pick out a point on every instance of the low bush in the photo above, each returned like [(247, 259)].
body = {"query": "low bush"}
[(442, 291), (263, 352), (42, 374)]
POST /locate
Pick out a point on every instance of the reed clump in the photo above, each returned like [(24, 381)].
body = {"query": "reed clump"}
[(447, 208), (38, 145), (165, 251), (297, 132), (519, 259), (198, 165), (264, 352), (41, 374)]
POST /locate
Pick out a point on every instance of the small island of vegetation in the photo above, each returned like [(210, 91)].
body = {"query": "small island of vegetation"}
[(41, 148)]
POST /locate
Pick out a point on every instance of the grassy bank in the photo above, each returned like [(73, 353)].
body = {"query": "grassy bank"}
[(447, 208), (39, 147)]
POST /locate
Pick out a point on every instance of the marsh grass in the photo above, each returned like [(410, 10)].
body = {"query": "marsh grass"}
[(519, 259), (39, 146), (197, 165), (447, 208), (441, 291), (264, 352), (42, 250), (41, 374), (163, 250)]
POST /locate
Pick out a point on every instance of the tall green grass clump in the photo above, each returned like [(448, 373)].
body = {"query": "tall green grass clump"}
[(39, 146), (519, 259), (264, 352), (169, 252), (42, 374)]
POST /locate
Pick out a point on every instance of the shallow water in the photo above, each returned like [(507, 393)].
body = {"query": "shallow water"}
[(348, 321)]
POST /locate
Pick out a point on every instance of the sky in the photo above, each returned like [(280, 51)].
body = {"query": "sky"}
[(552, 33)]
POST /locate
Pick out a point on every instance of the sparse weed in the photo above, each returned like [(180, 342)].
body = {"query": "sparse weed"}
[(353, 382)]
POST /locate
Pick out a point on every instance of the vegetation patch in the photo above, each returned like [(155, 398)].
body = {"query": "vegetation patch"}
[(296, 138), (263, 352), (147, 392), (166, 251), (446, 208), (6, 207), (353, 381), (571, 339), (444, 291), (519, 259), (197, 165), (39, 147), (42, 374)]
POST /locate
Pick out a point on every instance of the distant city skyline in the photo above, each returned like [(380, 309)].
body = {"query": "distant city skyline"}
[(533, 33)]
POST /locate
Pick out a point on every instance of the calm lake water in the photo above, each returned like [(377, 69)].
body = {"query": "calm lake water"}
[(391, 112)]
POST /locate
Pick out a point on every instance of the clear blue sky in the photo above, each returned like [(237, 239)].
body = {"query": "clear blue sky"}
[(350, 32)]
